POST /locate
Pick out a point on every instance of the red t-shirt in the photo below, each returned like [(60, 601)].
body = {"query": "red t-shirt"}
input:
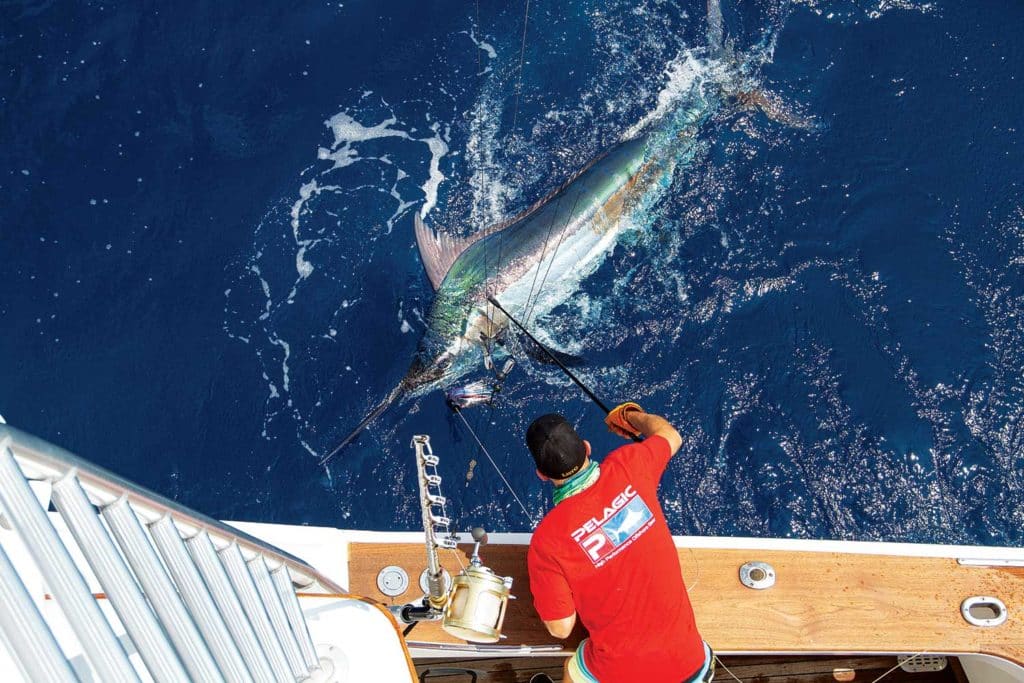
[(607, 554)]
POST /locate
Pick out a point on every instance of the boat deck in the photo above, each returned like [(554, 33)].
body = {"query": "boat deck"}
[(757, 669), (822, 602)]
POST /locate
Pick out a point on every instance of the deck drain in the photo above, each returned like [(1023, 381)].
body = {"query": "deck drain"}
[(921, 663), (392, 581), (983, 610), (757, 575)]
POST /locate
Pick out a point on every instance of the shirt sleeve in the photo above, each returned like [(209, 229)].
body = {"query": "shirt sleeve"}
[(552, 597), (648, 459)]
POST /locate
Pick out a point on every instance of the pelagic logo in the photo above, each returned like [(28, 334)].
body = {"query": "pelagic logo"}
[(624, 520)]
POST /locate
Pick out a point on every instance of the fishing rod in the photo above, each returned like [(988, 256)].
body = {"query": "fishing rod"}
[(569, 373)]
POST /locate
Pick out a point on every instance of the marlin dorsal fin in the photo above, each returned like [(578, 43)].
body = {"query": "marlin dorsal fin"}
[(438, 250)]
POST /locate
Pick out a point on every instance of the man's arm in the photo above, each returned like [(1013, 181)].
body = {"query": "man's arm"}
[(561, 628), (551, 592), (653, 425)]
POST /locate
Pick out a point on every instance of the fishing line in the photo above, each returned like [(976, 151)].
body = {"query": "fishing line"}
[(719, 660), (478, 40), (576, 380), (495, 464), (696, 563), (590, 394), (899, 664), (483, 180), (552, 261), (522, 54), (515, 113), (543, 252)]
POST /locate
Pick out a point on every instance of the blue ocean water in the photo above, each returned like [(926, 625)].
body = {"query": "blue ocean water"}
[(210, 271)]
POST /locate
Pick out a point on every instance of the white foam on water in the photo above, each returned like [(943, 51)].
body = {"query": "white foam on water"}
[(265, 286), (683, 74), (277, 341), (306, 192), (438, 147), (485, 46), (403, 205), (843, 12), (348, 132), (302, 266), (887, 5)]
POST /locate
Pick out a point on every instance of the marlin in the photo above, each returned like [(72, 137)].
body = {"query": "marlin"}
[(561, 238)]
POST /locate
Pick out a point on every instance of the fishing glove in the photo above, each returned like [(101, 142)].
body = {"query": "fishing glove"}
[(617, 422)]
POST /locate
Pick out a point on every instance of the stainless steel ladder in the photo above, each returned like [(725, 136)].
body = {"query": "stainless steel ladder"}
[(197, 599)]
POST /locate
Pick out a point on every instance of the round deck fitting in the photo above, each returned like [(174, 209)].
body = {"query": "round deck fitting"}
[(392, 581), (757, 575)]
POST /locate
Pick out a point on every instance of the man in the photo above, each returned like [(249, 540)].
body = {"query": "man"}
[(605, 553)]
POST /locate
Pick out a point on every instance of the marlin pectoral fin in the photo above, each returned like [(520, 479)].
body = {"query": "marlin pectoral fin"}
[(536, 353), (775, 108)]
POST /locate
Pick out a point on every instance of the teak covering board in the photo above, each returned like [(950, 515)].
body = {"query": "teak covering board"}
[(821, 601)]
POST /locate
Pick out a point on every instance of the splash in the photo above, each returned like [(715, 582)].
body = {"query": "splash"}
[(683, 75), (849, 11)]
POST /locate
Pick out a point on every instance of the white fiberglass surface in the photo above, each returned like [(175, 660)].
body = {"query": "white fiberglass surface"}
[(360, 640)]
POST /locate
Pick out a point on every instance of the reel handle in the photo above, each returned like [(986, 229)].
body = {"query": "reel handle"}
[(479, 538)]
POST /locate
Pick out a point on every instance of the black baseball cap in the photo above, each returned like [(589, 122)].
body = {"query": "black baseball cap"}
[(556, 447)]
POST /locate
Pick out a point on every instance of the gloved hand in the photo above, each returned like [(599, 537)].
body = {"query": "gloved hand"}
[(618, 422)]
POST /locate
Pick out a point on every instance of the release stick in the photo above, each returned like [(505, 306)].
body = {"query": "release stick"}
[(576, 380)]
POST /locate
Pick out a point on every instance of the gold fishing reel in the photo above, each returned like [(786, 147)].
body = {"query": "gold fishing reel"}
[(476, 605)]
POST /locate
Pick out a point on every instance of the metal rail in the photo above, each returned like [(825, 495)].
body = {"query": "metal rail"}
[(197, 599), (42, 461)]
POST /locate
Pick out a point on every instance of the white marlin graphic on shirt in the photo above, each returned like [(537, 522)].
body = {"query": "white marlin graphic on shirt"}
[(623, 521), (630, 522)]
